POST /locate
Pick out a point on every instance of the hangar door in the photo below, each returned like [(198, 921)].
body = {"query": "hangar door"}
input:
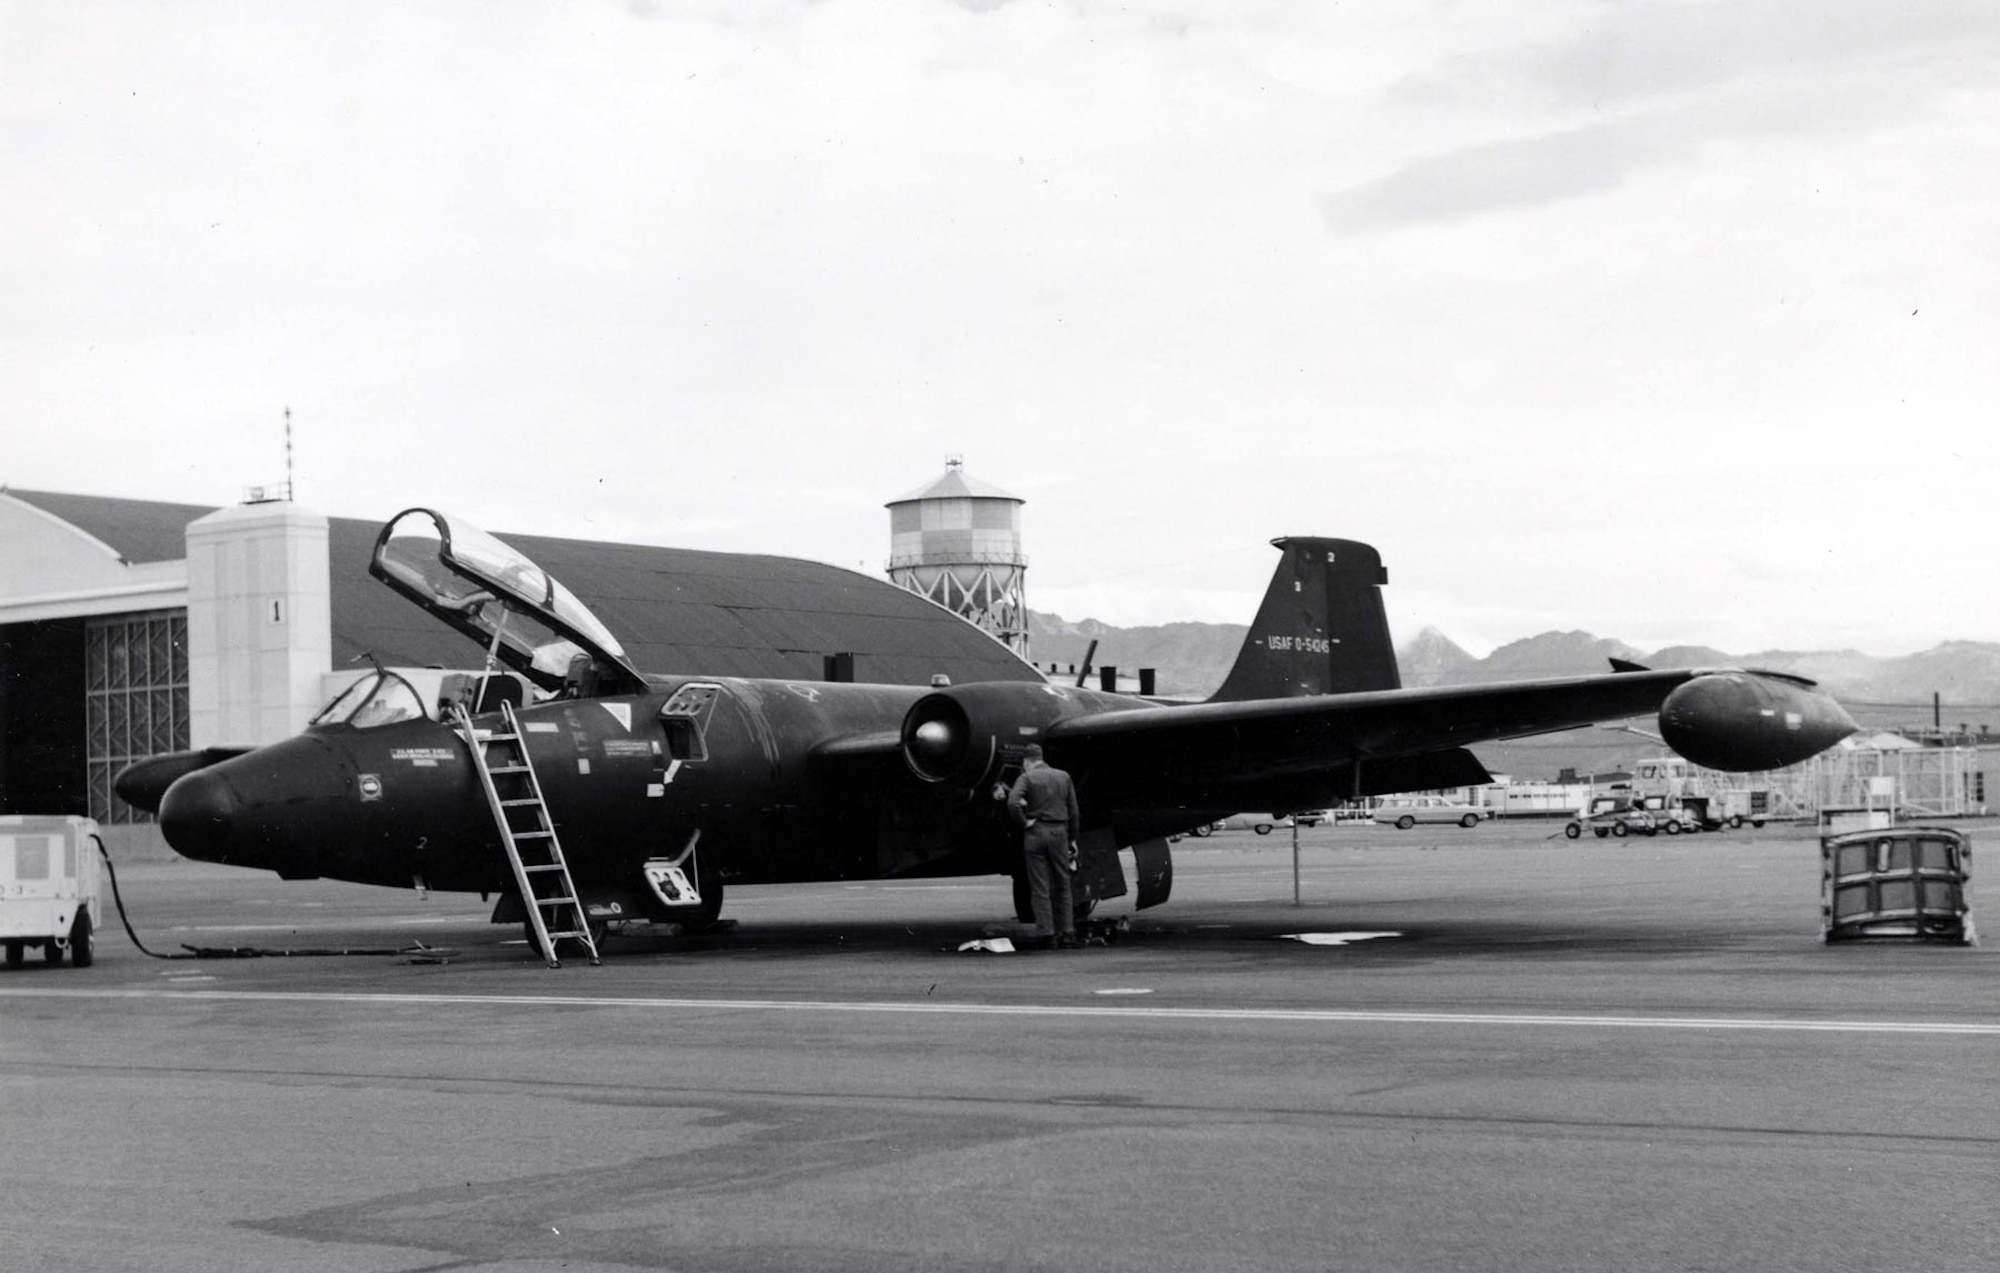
[(135, 699), (42, 766)]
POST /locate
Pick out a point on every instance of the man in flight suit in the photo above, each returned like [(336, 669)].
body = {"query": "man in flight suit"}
[(1043, 802)]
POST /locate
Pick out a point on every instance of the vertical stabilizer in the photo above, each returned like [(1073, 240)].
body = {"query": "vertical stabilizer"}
[(1321, 629)]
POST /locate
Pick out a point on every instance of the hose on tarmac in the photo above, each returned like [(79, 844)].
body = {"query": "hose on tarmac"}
[(235, 952)]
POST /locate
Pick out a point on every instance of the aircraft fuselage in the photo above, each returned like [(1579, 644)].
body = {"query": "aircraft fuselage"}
[(626, 779)]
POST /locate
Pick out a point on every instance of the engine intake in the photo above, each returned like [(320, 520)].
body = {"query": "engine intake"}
[(957, 740), (937, 738)]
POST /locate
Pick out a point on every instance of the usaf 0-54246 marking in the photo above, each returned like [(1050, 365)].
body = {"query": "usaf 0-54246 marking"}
[(663, 788)]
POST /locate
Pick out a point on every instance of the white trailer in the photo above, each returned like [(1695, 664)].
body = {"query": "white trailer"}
[(48, 888)]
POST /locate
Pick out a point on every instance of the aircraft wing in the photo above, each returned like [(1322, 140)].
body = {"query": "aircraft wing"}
[(1328, 746), (1261, 738)]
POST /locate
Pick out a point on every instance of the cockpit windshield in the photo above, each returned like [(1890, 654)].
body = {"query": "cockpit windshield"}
[(379, 698), (497, 596)]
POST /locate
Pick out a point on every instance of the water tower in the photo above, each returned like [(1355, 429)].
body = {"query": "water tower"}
[(957, 541)]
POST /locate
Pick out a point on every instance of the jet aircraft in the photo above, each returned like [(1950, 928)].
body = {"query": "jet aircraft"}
[(662, 789)]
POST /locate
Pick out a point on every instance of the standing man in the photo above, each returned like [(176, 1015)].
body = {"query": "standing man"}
[(1043, 803)]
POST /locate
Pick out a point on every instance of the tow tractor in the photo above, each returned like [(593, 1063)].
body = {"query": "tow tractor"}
[(48, 888), (1614, 815), (1623, 815)]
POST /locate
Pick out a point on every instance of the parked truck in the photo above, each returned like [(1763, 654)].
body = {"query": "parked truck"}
[(49, 871), (1734, 808), (1714, 800)]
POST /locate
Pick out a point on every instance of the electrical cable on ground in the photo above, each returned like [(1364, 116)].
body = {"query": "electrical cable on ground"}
[(238, 952)]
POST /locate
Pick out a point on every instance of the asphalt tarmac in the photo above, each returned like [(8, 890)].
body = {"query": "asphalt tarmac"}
[(1624, 1055)]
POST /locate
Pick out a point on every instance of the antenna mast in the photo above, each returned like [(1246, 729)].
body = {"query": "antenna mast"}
[(288, 454)]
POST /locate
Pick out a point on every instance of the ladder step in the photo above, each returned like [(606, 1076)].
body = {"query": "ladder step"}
[(496, 754)]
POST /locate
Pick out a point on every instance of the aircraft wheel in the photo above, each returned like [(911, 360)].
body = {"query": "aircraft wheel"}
[(1405, 822), (1573, 831), (82, 944), (1620, 830), (1469, 820), (534, 942), (564, 945), (1080, 913), (710, 909)]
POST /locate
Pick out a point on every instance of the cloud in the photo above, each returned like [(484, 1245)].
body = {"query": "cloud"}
[(1635, 53), (1658, 82), (1506, 174)]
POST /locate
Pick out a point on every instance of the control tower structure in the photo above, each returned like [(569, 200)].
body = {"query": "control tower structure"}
[(957, 540)]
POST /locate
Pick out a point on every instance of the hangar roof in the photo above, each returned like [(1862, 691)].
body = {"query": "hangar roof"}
[(141, 531), (676, 610)]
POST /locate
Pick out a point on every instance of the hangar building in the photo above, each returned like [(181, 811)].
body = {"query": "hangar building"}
[(131, 628)]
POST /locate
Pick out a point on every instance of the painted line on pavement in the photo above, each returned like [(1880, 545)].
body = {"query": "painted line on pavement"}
[(1330, 1016)]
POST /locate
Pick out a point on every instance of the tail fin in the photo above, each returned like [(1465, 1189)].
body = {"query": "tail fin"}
[(1321, 629)]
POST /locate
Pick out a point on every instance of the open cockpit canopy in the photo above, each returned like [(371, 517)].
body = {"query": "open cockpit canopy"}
[(496, 596)]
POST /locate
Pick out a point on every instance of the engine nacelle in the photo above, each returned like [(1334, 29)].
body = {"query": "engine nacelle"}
[(959, 739), (1746, 721)]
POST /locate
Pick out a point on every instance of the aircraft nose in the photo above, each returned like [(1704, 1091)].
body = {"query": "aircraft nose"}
[(197, 815)]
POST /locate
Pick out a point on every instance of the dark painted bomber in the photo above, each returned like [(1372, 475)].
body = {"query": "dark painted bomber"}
[(785, 781)]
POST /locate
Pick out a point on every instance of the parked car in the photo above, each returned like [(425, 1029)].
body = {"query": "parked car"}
[(1404, 812), (1262, 823)]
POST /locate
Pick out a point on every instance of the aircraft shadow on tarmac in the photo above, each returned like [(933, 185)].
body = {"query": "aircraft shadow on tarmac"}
[(1280, 933)]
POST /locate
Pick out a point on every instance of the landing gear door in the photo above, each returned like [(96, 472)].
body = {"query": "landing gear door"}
[(499, 598)]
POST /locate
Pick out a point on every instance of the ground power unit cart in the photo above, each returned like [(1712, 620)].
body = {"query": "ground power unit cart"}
[(48, 888)]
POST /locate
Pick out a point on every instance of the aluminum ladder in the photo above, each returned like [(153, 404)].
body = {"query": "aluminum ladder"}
[(514, 793)]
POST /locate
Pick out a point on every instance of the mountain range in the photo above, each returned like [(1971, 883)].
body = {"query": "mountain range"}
[(1191, 659)]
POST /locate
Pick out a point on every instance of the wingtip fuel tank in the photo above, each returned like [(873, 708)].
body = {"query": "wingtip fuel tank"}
[(1747, 721)]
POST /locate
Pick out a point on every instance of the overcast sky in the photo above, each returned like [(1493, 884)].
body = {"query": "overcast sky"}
[(1671, 322)]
